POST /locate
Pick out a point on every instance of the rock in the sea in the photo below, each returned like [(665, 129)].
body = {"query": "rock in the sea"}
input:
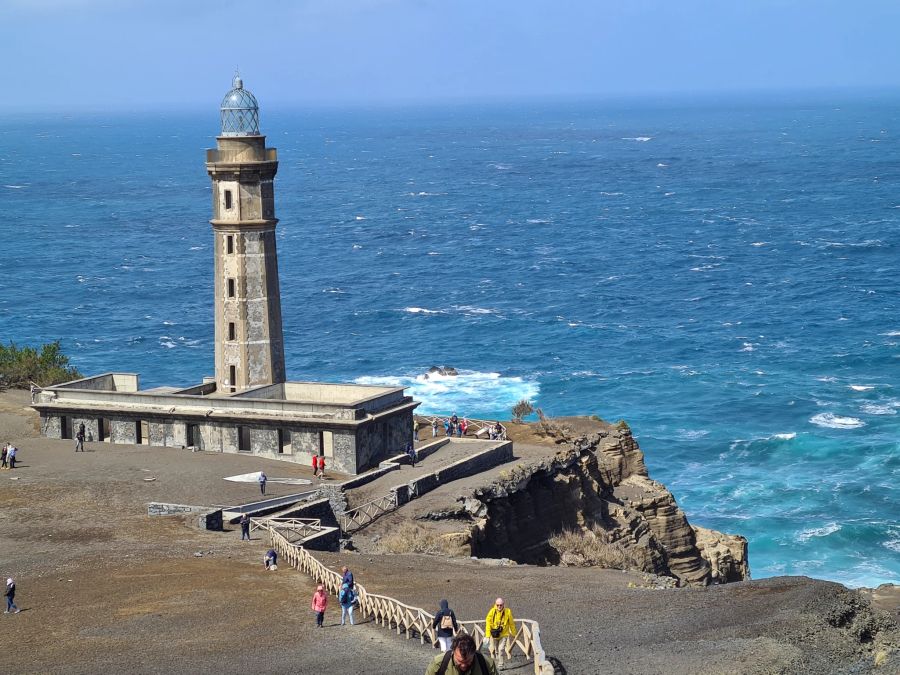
[(445, 371)]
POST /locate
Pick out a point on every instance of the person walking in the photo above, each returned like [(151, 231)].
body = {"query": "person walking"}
[(500, 628), (462, 659), (10, 597), (3, 452), (347, 577), (319, 604), (11, 455), (262, 482), (416, 429), (445, 624), (463, 427), (321, 467), (347, 598), (245, 527), (271, 559), (79, 441), (434, 427), (411, 453)]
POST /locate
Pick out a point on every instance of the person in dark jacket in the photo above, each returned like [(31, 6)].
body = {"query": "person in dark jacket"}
[(462, 659), (245, 527), (446, 625), (347, 577), (10, 597)]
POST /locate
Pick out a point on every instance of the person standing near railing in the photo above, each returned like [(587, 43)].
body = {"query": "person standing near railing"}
[(445, 624), (499, 628), (346, 598)]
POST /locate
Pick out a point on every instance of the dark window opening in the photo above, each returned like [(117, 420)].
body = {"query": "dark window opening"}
[(243, 439), (102, 429), (231, 288), (232, 376), (284, 441), (65, 427), (231, 330), (229, 243), (228, 200)]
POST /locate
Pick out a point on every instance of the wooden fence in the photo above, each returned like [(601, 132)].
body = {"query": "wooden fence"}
[(354, 519), (393, 614)]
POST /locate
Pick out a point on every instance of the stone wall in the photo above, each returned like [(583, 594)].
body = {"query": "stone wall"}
[(469, 466), (207, 518)]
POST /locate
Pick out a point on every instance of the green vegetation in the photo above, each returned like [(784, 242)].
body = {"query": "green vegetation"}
[(521, 409), (20, 367)]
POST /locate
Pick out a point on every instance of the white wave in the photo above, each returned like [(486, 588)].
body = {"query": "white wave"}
[(830, 528), (165, 323), (360, 218), (892, 544), (334, 290), (433, 253), (748, 347), (832, 421), (197, 248), (878, 409), (356, 247), (420, 310), (16, 187), (826, 378), (611, 194), (470, 393), (861, 387), (784, 437), (668, 194), (891, 333), (640, 139), (500, 166), (168, 344), (759, 243), (691, 434), (661, 165), (425, 194), (468, 309), (537, 221)]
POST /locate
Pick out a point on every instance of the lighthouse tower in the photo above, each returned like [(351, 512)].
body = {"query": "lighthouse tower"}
[(249, 339)]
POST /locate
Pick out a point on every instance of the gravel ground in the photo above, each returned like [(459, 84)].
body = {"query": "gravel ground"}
[(104, 588)]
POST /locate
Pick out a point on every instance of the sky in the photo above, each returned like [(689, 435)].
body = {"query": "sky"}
[(160, 54)]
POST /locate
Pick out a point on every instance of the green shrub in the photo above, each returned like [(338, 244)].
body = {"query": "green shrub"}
[(521, 409), (20, 367)]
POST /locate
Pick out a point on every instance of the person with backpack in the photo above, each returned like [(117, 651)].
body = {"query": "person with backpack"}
[(347, 599), (10, 597), (500, 629), (445, 623), (463, 658)]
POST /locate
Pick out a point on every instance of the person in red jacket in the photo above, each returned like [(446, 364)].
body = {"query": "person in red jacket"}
[(319, 603)]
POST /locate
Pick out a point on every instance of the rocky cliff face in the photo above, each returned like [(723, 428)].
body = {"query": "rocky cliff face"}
[(597, 485)]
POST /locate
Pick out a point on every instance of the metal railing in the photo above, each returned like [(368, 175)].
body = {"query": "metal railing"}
[(414, 621), (477, 428)]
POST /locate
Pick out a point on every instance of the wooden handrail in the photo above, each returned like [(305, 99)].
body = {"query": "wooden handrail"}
[(414, 621), (353, 519)]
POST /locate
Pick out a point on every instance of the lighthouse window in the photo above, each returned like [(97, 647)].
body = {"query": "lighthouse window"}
[(231, 331), (228, 201), (229, 243), (231, 288)]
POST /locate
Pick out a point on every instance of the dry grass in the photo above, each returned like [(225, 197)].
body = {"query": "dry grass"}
[(593, 548), (413, 538)]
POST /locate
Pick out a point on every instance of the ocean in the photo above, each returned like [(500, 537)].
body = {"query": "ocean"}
[(722, 274)]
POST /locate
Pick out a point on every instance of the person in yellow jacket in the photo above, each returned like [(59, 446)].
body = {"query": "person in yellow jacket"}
[(499, 629)]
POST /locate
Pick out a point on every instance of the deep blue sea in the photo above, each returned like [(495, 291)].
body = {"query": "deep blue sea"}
[(723, 275)]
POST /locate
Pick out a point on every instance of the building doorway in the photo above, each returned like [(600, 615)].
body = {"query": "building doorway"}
[(284, 442), (326, 443), (243, 439), (65, 427)]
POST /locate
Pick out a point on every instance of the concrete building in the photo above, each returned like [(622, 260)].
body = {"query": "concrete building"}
[(247, 406)]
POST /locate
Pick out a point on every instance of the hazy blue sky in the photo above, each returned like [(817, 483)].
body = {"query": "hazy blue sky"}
[(149, 53)]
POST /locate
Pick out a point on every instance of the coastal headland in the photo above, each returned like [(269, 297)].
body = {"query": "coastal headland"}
[(103, 587)]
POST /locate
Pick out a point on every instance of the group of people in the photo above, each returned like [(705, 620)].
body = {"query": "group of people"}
[(459, 427), (460, 651), (8, 456), (347, 598)]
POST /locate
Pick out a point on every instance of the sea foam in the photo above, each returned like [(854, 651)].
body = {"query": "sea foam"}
[(832, 421)]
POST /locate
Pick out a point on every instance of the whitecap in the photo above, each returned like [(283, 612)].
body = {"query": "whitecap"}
[(759, 243), (433, 253), (830, 528), (469, 393), (826, 378), (661, 165), (892, 333), (537, 221), (832, 421), (500, 166), (668, 194), (359, 218), (692, 434), (878, 409), (861, 387), (197, 248), (640, 139), (784, 437), (420, 310), (15, 187), (334, 290), (611, 194), (165, 323), (356, 247), (892, 544), (748, 347), (468, 309)]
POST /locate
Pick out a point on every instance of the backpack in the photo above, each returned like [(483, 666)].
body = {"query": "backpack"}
[(449, 655), (446, 622), (347, 596)]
